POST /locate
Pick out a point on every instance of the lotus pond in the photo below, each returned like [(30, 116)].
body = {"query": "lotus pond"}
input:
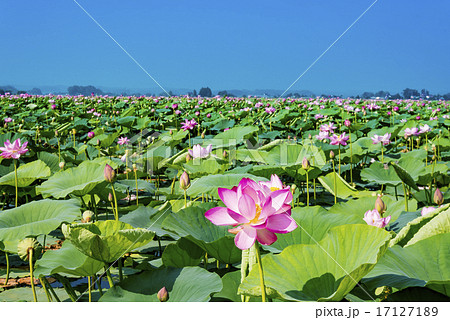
[(223, 199)]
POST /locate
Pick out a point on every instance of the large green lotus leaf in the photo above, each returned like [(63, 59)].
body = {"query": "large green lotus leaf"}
[(24, 294), (198, 167), (439, 224), (35, 218), (183, 253), (50, 159), (254, 155), (215, 240), (151, 219), (67, 260), (423, 264), (107, 241), (210, 184), (77, 181), (326, 271), (358, 207), (190, 284), (417, 294), (231, 137), (378, 174), (27, 174), (412, 227), (287, 155), (267, 170), (313, 224)]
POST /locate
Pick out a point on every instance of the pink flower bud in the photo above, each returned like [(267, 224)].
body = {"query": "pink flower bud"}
[(163, 295), (305, 164), (109, 173), (380, 206), (438, 197), (185, 182)]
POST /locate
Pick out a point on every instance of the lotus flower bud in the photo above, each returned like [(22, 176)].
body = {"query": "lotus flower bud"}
[(438, 197), (110, 197), (91, 134), (225, 153), (61, 165), (27, 244), (163, 295), (74, 131), (305, 164), (185, 182), (56, 133), (331, 154), (87, 216), (170, 132), (203, 135), (134, 167), (380, 206), (309, 136), (109, 173), (188, 157)]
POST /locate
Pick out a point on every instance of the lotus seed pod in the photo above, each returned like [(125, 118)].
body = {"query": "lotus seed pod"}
[(88, 216), (163, 295), (109, 173), (26, 245), (305, 164), (185, 182), (380, 206), (438, 197)]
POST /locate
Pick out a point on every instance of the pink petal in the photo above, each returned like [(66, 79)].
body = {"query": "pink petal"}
[(276, 182), (279, 198), (281, 223), (245, 238), (190, 152), (247, 206), (265, 236), (220, 216), (229, 198)]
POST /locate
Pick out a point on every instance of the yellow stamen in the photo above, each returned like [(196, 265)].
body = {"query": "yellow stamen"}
[(272, 189), (258, 212)]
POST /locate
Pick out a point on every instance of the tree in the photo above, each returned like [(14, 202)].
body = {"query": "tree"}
[(424, 93), (223, 93), (35, 91), (205, 92), (84, 90), (408, 93), (195, 93), (368, 95)]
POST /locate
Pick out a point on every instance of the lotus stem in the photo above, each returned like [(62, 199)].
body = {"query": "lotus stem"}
[(89, 288), (335, 183), (120, 265), (16, 180), (49, 287), (307, 189), (7, 268), (205, 261), (351, 157), (67, 287), (44, 285), (30, 260), (339, 155), (137, 190), (382, 159), (261, 272), (115, 202), (108, 276), (405, 195), (185, 199), (98, 280)]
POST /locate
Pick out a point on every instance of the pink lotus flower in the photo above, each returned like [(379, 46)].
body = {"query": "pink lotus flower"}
[(8, 119), (425, 128), (411, 132), (256, 212), (347, 123), (270, 110), (328, 127), (385, 139), (13, 150), (341, 139), (427, 210), (376, 139), (188, 124), (123, 141), (200, 152), (373, 218), (322, 135), (91, 134)]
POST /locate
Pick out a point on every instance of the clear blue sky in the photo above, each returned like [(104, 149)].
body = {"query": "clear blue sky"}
[(229, 44)]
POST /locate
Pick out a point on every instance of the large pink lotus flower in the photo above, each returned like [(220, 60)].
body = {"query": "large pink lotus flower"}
[(384, 139), (323, 135), (425, 128), (339, 139), (199, 152), (411, 132), (373, 218), (256, 212), (13, 150), (328, 127)]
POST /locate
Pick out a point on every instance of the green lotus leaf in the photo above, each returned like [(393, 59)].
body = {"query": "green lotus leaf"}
[(35, 218), (24, 294), (107, 241), (417, 294), (231, 137), (378, 174), (437, 225), (344, 190), (326, 271), (183, 253), (209, 184), (215, 240), (423, 264), (27, 174), (77, 181), (190, 284), (67, 260), (412, 227), (404, 176), (50, 159)]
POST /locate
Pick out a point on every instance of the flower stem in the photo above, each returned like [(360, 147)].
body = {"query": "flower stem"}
[(307, 189), (406, 199), (30, 259), (44, 285), (137, 190), (335, 183), (108, 276), (351, 157), (261, 273), (120, 263), (89, 287), (16, 180), (115, 203), (382, 159), (339, 159), (185, 199), (7, 268)]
